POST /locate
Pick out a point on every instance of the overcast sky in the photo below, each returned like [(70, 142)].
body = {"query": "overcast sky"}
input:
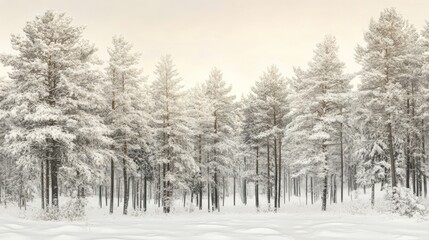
[(241, 37)]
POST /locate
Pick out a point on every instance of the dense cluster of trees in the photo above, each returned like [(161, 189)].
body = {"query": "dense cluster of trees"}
[(70, 127)]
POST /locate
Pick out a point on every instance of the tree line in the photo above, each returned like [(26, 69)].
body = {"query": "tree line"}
[(74, 125)]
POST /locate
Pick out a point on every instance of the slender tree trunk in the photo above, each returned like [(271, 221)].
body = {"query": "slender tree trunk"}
[(126, 189), (234, 192), (306, 195), (256, 182), (184, 199), (335, 188), (54, 178), (325, 181), (47, 184), (244, 191), (268, 172), (223, 191), (391, 155), (216, 188), (289, 183), (425, 188), (284, 185), (112, 184), (311, 190), (208, 189), (331, 189), (42, 185), (280, 172), (118, 189), (342, 161), (275, 174), (100, 200), (145, 194), (200, 156)]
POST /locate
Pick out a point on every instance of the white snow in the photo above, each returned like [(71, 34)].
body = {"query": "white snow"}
[(294, 221)]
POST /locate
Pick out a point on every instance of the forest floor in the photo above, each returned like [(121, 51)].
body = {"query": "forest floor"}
[(295, 220)]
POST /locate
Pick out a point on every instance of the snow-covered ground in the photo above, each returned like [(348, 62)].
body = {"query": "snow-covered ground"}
[(350, 220)]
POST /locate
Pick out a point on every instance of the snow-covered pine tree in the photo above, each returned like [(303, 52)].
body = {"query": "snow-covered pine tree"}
[(423, 108), (53, 106), (223, 128), (201, 112), (316, 103), (173, 131), (250, 130), (271, 107), (129, 115), (384, 75)]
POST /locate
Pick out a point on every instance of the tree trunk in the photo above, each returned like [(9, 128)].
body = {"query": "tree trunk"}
[(100, 200), (275, 174), (54, 180), (112, 184), (256, 182), (342, 161), (280, 172), (306, 195), (425, 188), (233, 198), (311, 190), (145, 194), (391, 155), (216, 195), (223, 191), (335, 188), (244, 191), (126, 190), (325, 181), (208, 189), (200, 156), (268, 172), (184, 199), (42, 185), (47, 183)]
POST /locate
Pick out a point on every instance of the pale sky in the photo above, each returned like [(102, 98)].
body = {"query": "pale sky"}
[(242, 37)]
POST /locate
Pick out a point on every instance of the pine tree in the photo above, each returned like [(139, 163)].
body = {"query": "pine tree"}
[(271, 107), (54, 103), (200, 111), (383, 60), (174, 142), (222, 144), (128, 116), (316, 104)]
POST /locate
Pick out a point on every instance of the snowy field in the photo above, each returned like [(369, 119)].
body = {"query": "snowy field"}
[(294, 221)]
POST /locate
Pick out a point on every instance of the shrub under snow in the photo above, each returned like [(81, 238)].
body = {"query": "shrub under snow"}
[(405, 202)]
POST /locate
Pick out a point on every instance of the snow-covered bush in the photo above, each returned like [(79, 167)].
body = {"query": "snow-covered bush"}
[(51, 214), (74, 209), (405, 202)]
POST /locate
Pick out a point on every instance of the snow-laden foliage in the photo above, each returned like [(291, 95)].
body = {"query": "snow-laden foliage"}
[(318, 98), (72, 125), (53, 104), (405, 203)]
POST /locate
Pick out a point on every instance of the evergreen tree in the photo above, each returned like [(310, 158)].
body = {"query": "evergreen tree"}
[(316, 104), (128, 116), (54, 103), (222, 144), (383, 75), (173, 132)]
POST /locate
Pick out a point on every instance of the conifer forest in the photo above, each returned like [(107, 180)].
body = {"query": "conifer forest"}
[(94, 144)]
